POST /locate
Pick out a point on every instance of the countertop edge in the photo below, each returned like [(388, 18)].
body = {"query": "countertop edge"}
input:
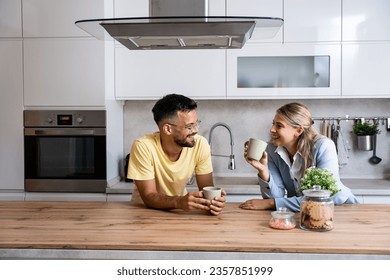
[(357, 186)]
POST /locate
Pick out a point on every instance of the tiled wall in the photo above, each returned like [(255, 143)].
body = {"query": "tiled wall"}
[(253, 118)]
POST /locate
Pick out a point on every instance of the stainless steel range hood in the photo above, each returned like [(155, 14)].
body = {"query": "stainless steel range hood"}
[(180, 24)]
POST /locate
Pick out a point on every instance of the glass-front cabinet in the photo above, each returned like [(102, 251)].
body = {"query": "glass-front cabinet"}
[(284, 70)]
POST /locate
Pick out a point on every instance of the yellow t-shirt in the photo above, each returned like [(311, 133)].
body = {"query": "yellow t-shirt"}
[(148, 161)]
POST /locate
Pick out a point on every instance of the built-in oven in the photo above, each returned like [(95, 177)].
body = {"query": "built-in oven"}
[(65, 151)]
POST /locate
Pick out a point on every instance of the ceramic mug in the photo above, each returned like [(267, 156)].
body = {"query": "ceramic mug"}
[(211, 192), (256, 148)]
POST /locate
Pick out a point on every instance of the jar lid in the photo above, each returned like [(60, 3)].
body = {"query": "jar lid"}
[(317, 192), (282, 213)]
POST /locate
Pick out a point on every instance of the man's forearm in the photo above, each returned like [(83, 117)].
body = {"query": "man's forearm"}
[(161, 201)]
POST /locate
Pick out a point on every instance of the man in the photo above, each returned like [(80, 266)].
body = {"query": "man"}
[(162, 163)]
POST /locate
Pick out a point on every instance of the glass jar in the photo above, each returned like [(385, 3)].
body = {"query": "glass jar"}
[(317, 209), (282, 219)]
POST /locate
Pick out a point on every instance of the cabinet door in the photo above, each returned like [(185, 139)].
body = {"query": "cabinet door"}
[(11, 115), (258, 8), (126, 8), (365, 69), (152, 74), (312, 21), (140, 8), (63, 72), (366, 20), (56, 18), (284, 71), (10, 18)]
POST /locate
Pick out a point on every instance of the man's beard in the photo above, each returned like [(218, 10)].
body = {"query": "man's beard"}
[(186, 143)]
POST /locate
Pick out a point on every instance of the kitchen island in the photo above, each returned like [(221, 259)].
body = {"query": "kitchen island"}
[(119, 230)]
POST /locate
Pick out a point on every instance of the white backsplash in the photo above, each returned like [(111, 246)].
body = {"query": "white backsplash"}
[(253, 118)]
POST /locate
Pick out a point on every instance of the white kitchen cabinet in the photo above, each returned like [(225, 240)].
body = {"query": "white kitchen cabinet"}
[(284, 71), (64, 72), (257, 8), (152, 74), (11, 115), (366, 69), (10, 18), (140, 8), (56, 18), (312, 21), (126, 8), (366, 20)]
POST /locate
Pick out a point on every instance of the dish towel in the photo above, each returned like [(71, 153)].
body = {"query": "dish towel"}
[(342, 148)]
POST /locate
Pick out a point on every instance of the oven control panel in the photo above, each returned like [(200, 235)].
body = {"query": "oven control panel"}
[(50, 118)]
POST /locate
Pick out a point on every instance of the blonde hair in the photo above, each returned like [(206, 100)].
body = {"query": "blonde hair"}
[(298, 115)]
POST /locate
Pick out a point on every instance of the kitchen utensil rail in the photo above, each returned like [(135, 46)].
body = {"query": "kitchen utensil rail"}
[(348, 118)]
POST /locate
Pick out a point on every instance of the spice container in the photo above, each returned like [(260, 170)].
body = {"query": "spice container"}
[(317, 209), (282, 219)]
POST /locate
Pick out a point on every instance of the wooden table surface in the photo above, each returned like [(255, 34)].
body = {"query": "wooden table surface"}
[(358, 229)]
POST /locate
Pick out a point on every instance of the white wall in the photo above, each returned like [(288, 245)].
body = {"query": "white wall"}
[(253, 118)]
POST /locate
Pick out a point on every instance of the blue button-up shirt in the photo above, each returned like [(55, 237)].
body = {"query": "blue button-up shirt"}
[(285, 176)]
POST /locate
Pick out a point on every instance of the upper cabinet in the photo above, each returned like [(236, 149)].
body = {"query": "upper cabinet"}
[(48, 18), (366, 69), (366, 20), (140, 8), (312, 21), (63, 65), (284, 71), (325, 49), (126, 8), (63, 72), (257, 8), (10, 18), (365, 49), (152, 74)]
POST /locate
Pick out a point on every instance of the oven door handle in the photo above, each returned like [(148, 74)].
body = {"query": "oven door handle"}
[(96, 131), (60, 132)]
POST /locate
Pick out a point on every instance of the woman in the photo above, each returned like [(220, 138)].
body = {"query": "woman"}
[(295, 146)]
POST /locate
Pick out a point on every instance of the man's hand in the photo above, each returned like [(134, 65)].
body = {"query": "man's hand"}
[(217, 204), (195, 200)]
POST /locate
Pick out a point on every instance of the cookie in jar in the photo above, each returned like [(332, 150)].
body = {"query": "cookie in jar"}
[(317, 208)]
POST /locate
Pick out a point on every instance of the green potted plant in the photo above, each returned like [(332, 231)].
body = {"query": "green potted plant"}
[(365, 132), (319, 177)]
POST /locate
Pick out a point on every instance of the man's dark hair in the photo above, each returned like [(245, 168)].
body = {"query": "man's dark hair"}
[(168, 106)]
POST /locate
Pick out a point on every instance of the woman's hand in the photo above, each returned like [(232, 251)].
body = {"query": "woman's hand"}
[(258, 204), (261, 166)]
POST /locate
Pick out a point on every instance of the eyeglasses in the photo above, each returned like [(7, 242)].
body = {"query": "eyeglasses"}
[(190, 127)]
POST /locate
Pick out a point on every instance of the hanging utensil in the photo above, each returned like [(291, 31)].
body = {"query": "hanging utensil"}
[(323, 127), (374, 159), (341, 146)]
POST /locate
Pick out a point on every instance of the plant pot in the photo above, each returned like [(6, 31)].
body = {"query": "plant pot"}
[(364, 142)]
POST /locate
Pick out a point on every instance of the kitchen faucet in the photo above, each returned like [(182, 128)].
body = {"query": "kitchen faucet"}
[(232, 163)]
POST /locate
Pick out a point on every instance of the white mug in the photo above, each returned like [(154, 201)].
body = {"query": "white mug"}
[(256, 148), (211, 192)]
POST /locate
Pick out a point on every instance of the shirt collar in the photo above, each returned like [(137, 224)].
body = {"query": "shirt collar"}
[(295, 167)]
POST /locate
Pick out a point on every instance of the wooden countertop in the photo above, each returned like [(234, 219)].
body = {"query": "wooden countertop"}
[(358, 229), (250, 186)]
